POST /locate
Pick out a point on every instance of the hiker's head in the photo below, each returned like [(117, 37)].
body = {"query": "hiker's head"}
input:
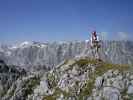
[(94, 33)]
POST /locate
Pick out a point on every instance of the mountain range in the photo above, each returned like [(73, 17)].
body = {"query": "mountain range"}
[(36, 55)]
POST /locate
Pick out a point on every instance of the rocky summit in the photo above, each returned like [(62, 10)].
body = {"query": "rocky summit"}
[(66, 71)]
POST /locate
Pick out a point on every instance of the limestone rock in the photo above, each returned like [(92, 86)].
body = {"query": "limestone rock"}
[(130, 89), (99, 82), (110, 93)]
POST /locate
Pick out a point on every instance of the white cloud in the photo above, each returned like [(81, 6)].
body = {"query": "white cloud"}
[(123, 36)]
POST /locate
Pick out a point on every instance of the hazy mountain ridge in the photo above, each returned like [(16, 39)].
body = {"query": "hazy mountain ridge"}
[(48, 55)]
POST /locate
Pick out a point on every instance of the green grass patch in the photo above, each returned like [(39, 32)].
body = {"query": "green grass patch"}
[(86, 61), (104, 67), (101, 66), (87, 89)]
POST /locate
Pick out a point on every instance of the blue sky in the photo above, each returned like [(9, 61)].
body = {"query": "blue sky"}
[(57, 20)]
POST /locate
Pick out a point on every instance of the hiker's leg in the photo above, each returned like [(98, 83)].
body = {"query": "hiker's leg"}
[(93, 52), (97, 53)]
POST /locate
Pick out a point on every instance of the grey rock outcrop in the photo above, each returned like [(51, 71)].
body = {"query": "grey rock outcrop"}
[(99, 82), (87, 85), (73, 79), (8, 75), (130, 89), (110, 93)]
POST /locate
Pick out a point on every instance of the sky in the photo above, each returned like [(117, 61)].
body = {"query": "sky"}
[(64, 20)]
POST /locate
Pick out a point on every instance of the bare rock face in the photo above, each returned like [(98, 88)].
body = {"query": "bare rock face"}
[(8, 75), (99, 82), (130, 89), (84, 79), (110, 93), (117, 86), (66, 71)]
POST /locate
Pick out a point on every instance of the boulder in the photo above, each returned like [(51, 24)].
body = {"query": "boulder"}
[(89, 98), (116, 72), (131, 77), (74, 71), (110, 93), (119, 84), (108, 74), (130, 89), (99, 82), (131, 82), (98, 98)]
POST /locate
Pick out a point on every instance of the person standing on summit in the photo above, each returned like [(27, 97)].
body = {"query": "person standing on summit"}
[(94, 39), (95, 43)]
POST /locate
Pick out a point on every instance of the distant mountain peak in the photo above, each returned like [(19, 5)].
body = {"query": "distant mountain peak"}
[(25, 44)]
